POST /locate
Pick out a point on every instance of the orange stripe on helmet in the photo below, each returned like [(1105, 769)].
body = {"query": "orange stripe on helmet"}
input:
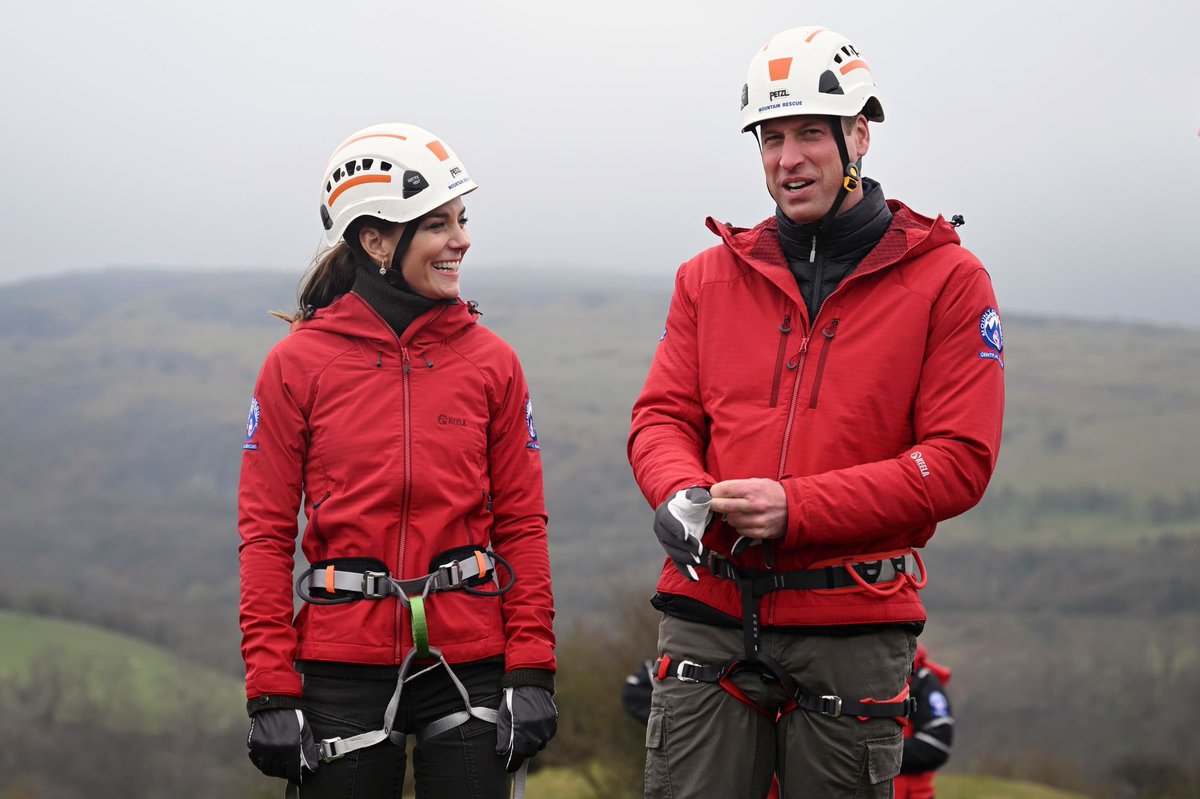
[(372, 136), (780, 68), (438, 149), (856, 64), (358, 181), (815, 34)]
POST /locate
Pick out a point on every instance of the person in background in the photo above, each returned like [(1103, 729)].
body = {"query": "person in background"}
[(404, 431), (828, 387), (929, 732)]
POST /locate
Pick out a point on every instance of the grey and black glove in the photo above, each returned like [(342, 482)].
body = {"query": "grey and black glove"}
[(679, 524), (281, 744), (528, 720)]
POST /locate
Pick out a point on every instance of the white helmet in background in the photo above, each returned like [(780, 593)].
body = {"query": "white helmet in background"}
[(808, 70), (392, 171)]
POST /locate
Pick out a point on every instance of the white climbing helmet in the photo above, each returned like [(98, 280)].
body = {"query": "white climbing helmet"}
[(808, 70), (392, 171)]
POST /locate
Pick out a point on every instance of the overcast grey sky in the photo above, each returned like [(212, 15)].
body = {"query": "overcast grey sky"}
[(601, 134)]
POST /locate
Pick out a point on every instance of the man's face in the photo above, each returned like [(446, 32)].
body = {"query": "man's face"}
[(803, 167)]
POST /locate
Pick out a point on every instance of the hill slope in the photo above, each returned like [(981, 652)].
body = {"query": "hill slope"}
[(122, 404)]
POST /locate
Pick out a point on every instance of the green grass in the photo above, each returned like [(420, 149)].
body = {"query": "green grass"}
[(968, 786), (564, 783), (93, 669)]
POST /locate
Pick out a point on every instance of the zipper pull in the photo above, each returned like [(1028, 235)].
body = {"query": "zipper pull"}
[(379, 359), (794, 361), (831, 331), (404, 357), (812, 256), (786, 327)]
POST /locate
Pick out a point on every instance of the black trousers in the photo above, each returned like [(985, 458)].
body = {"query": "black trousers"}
[(461, 762)]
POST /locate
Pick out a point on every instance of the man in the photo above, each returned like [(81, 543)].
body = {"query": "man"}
[(828, 387)]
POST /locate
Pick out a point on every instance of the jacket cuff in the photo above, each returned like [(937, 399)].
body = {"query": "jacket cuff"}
[(793, 531), (268, 702), (541, 678)]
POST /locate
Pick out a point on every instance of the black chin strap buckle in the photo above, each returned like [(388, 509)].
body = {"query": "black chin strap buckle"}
[(851, 180)]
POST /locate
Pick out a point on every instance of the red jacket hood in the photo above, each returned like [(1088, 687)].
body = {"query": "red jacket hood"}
[(921, 233), (351, 315)]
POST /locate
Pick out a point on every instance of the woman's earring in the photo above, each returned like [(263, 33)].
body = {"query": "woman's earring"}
[(383, 267)]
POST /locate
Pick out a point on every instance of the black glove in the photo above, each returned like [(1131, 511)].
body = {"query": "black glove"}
[(528, 720), (281, 744), (679, 524)]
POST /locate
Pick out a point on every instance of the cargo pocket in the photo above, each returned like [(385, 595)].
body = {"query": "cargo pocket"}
[(882, 760), (658, 776)]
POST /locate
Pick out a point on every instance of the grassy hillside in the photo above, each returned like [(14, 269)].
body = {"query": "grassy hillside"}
[(122, 404), (139, 683)]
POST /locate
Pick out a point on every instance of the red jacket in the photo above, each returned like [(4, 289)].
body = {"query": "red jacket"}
[(880, 421), (400, 449)]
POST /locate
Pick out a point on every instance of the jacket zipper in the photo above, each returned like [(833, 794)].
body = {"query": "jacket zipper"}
[(828, 333), (406, 491), (784, 329)]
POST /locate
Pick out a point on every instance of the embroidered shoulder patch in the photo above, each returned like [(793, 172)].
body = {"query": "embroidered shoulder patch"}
[(252, 424), (533, 439), (992, 335)]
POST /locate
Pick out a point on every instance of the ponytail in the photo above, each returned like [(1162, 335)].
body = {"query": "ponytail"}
[(332, 272)]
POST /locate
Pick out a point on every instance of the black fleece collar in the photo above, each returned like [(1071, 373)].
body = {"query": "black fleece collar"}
[(850, 236), (390, 296)]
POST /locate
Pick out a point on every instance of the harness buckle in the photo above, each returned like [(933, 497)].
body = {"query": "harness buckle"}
[(679, 675), (371, 590), (831, 706), (453, 572), (331, 749)]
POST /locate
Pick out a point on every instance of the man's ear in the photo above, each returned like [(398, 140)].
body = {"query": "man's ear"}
[(860, 136)]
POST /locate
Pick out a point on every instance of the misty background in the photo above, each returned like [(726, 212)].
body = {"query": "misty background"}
[(601, 134)]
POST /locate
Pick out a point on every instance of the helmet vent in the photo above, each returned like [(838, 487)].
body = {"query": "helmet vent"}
[(829, 83), (367, 163), (337, 174), (385, 166), (350, 167)]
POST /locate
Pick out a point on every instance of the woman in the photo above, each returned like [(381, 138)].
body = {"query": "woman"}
[(405, 431)]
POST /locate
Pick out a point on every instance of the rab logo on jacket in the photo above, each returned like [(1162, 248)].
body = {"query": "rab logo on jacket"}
[(252, 424), (533, 442), (992, 335)]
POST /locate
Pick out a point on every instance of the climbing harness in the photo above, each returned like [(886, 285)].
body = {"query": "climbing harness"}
[(881, 574), (340, 580)]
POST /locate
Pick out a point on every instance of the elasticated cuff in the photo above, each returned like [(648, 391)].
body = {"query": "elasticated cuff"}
[(267, 702), (542, 678)]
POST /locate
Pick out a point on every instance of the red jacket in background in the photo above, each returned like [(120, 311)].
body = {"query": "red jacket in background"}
[(880, 420), (399, 450)]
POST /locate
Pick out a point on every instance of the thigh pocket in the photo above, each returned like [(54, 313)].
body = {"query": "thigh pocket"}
[(658, 782), (882, 758)]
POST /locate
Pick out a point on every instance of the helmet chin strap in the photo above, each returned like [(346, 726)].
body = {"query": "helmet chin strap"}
[(850, 176), (394, 274)]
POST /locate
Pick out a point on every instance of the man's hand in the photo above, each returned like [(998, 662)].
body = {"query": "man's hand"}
[(281, 744), (756, 508), (528, 720), (679, 524)]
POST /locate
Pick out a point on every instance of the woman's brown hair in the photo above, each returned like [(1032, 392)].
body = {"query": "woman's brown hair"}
[(332, 272)]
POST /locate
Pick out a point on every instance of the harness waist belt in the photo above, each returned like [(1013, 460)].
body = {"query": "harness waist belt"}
[(825, 578)]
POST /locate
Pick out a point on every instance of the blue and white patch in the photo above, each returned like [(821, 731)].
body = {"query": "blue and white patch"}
[(252, 424), (992, 335), (938, 706), (533, 442)]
